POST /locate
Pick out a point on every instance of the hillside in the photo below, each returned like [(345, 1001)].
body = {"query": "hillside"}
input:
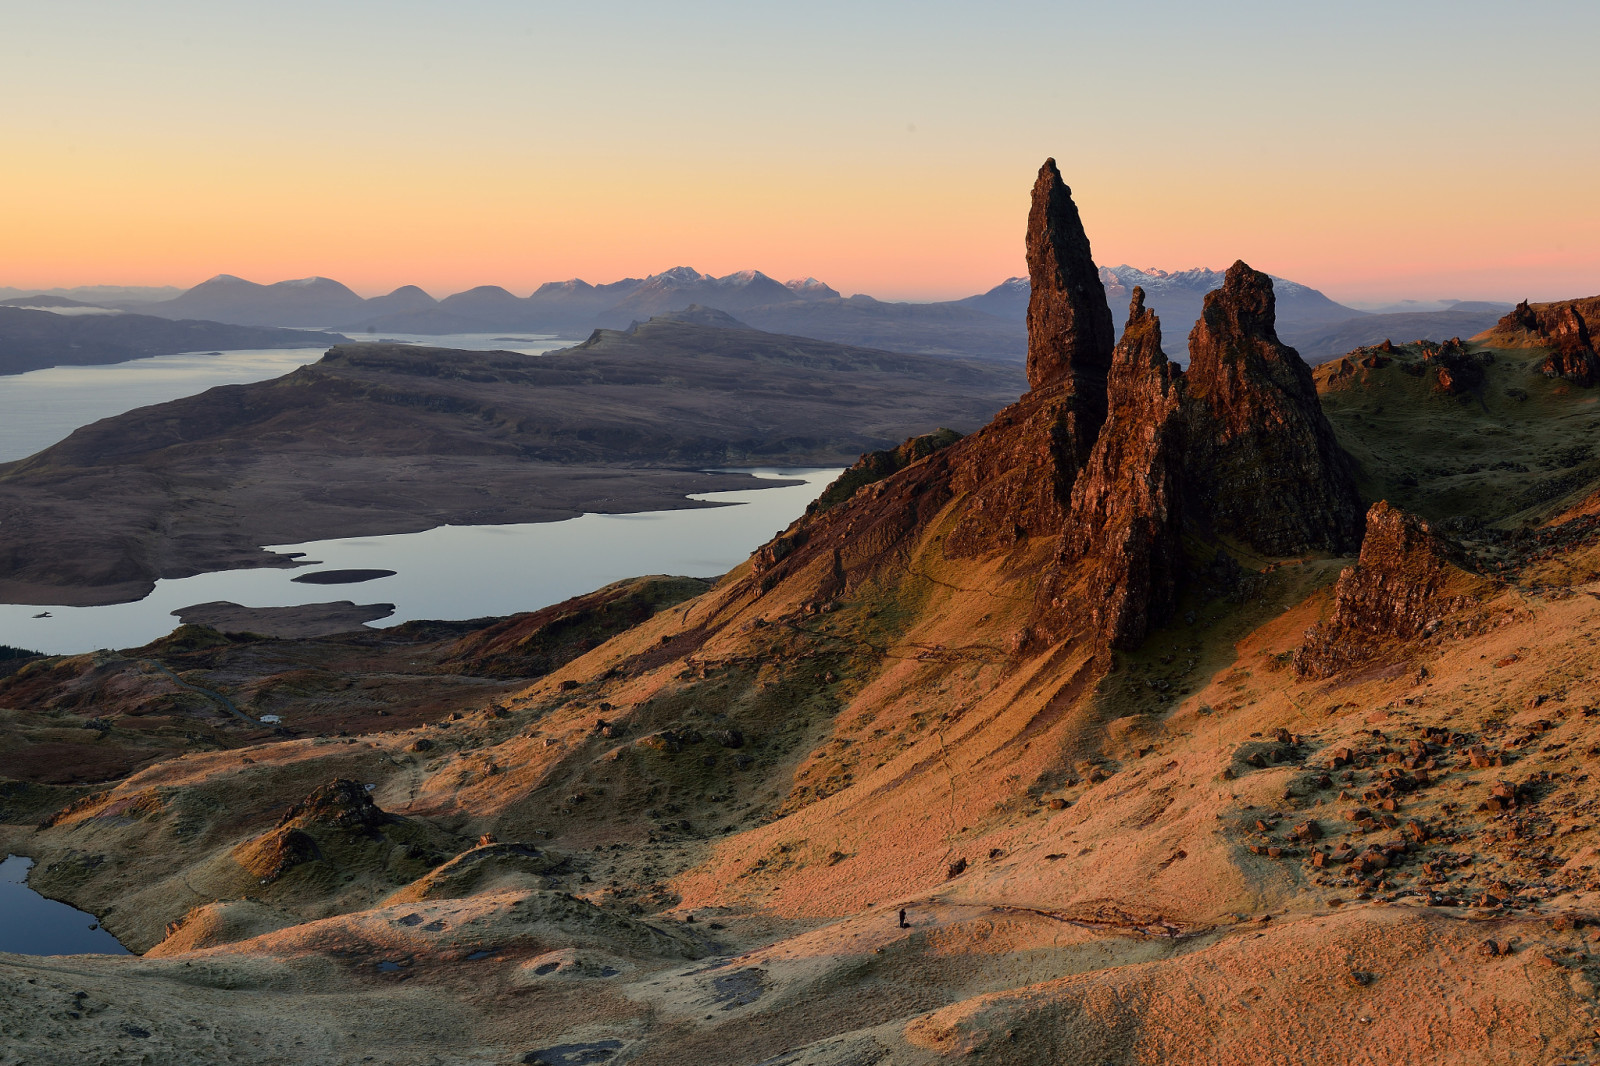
[(1320, 343), (380, 439), (33, 339), (1128, 728)]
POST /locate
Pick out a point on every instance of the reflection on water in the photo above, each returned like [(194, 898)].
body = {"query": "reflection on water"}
[(33, 925), (453, 572), (41, 407)]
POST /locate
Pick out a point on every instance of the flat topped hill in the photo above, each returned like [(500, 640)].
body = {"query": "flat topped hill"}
[(392, 438)]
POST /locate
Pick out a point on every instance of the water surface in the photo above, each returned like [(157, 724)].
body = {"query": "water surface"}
[(33, 925), (39, 408), (453, 572)]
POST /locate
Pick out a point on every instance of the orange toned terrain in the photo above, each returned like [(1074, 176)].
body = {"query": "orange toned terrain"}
[(1092, 736)]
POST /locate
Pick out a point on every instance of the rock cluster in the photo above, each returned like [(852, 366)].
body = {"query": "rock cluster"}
[(1567, 329), (340, 804), (1115, 453), (1402, 585)]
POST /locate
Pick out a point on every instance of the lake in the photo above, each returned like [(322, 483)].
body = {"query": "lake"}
[(454, 572), (41, 407), (33, 925)]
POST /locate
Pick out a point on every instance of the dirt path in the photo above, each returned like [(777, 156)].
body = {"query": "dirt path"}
[(216, 697)]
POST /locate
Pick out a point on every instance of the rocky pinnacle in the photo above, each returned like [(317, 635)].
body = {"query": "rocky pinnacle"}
[(1125, 519), (1070, 333), (1263, 462)]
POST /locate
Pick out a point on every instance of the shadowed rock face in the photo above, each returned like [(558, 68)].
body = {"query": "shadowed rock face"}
[(1070, 334), (1262, 462), (1398, 589), (1125, 518)]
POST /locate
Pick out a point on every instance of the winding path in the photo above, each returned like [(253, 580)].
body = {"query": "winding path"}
[(222, 701)]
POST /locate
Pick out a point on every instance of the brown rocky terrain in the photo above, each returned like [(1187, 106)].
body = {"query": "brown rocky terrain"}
[(1074, 739), (1566, 329), (377, 439)]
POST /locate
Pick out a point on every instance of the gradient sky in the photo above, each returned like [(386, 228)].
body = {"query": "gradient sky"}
[(1395, 149)]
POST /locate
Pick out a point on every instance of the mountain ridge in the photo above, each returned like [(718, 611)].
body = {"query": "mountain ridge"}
[(988, 325)]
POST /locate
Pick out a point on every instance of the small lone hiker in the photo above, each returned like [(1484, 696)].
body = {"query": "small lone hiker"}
[(903, 923)]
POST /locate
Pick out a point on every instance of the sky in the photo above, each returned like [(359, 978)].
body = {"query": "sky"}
[(1373, 150)]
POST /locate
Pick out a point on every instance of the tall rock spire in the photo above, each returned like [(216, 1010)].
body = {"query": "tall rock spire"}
[(1125, 522), (1070, 333), (1264, 465)]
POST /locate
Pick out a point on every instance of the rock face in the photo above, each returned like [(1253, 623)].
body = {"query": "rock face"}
[(1398, 589), (1574, 356), (1262, 462), (1070, 334), (1566, 328), (875, 466), (1125, 520)]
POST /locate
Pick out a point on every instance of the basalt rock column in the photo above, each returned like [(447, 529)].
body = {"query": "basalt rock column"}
[(1125, 520), (1262, 461), (1070, 334), (1018, 472)]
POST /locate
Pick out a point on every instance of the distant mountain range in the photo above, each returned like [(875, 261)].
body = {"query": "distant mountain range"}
[(1332, 341), (990, 325), (31, 339), (107, 295)]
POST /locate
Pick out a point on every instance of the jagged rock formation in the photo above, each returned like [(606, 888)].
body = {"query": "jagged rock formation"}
[(340, 804), (1456, 370), (1566, 328), (1262, 462), (1125, 518), (1070, 333), (1406, 583), (1108, 460), (340, 827)]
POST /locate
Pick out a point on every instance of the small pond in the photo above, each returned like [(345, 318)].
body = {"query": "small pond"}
[(33, 925)]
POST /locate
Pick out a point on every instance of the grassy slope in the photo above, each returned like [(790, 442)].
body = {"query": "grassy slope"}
[(1512, 449)]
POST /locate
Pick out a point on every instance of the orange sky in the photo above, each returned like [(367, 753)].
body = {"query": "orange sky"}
[(1363, 153)]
